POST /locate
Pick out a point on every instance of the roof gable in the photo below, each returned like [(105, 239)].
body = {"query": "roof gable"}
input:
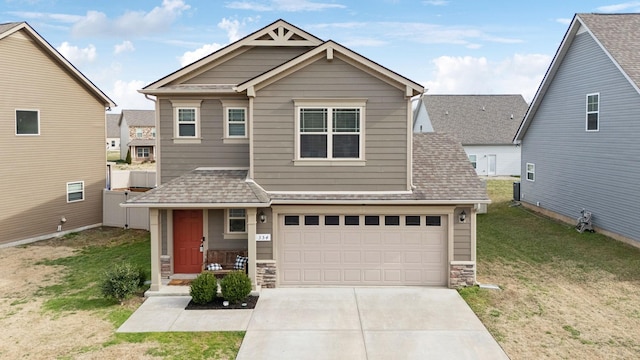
[(278, 33), (113, 125), (616, 36), (476, 119), (139, 117), (11, 28), (331, 49)]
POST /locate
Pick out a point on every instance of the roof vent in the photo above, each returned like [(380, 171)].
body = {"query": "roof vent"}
[(512, 116), (483, 108), (446, 112)]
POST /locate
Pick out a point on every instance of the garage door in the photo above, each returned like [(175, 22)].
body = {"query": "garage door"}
[(362, 250)]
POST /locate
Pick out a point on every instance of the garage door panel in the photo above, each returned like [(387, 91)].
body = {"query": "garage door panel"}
[(363, 255)]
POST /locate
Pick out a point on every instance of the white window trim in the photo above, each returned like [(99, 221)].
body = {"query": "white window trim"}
[(228, 234), (330, 104), (586, 120), (15, 121), (139, 133), (235, 104), (473, 162), (139, 148), (68, 192), (186, 104), (533, 172)]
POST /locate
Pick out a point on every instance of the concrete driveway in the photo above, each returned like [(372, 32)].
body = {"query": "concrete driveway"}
[(366, 323)]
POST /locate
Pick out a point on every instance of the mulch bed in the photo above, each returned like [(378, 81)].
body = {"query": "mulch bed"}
[(216, 304)]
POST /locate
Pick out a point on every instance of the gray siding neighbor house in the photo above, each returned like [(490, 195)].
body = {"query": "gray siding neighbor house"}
[(138, 134), (484, 124), (580, 135), (299, 153)]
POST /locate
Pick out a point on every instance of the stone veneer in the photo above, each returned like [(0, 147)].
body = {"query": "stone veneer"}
[(461, 274), (266, 273), (165, 266)]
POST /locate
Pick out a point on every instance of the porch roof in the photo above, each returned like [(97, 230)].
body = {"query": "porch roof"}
[(205, 188), (142, 142)]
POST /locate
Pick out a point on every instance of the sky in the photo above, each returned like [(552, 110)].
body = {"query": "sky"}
[(448, 46)]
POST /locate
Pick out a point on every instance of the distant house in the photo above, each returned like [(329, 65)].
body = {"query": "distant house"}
[(138, 134), (580, 136), (52, 137), (113, 132), (299, 153), (484, 124)]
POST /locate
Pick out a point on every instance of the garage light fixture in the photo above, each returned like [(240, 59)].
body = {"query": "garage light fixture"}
[(463, 216), (262, 216)]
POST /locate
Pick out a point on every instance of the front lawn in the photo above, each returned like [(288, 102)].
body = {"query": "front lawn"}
[(564, 294)]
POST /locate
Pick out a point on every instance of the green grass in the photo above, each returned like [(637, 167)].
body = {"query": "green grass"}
[(96, 251), (113, 155)]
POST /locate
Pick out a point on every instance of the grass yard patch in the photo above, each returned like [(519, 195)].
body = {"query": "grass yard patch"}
[(564, 294)]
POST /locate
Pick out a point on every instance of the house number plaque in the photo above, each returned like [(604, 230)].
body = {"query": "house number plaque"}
[(263, 237)]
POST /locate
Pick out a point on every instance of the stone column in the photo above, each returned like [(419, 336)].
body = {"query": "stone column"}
[(154, 229), (251, 245)]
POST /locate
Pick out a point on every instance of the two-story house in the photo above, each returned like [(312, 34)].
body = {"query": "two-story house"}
[(580, 135), (113, 132), (484, 124), (138, 134), (301, 152), (52, 141)]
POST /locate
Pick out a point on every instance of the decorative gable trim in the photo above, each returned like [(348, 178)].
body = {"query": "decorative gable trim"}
[(278, 33)]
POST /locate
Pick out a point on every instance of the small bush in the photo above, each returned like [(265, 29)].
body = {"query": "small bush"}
[(203, 288), (128, 159), (235, 286), (120, 282), (143, 276)]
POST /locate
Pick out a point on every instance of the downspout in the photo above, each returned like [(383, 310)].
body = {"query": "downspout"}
[(156, 153)]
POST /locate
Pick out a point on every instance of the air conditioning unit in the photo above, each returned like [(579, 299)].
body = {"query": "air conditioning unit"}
[(516, 191)]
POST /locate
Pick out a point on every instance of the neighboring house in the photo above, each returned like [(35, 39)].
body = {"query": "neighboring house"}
[(113, 132), (301, 152), (579, 138), (484, 124), (138, 134), (51, 136)]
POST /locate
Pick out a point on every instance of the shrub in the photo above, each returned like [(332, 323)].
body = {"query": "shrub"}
[(203, 288), (235, 286), (120, 282), (143, 276), (128, 159)]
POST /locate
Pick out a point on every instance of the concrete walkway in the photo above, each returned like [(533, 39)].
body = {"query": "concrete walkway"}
[(336, 323)]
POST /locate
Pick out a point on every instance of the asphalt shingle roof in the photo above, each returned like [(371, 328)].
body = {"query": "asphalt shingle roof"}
[(142, 142), (7, 26), (618, 33), (140, 117), (441, 172), (477, 119), (113, 129), (205, 187)]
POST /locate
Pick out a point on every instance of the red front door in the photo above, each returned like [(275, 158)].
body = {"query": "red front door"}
[(187, 235)]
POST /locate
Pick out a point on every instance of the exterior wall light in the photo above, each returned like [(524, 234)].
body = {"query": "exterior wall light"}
[(262, 216), (463, 216)]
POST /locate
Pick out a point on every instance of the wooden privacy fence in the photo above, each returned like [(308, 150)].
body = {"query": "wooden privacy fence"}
[(115, 215)]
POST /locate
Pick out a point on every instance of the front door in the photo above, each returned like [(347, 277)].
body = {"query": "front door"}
[(491, 166), (187, 236)]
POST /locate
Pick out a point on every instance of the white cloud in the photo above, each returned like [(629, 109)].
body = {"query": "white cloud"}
[(627, 6), (435, 2), (131, 23), (76, 55), (284, 5), (232, 27), (123, 47), (564, 21), (126, 95), (197, 54), (518, 74), (65, 18)]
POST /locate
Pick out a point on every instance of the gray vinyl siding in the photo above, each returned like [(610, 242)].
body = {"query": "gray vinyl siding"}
[(575, 169), (216, 239), (462, 238), (247, 65), (177, 159), (385, 131), (70, 147)]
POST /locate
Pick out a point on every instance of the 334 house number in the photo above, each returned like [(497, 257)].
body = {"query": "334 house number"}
[(263, 237)]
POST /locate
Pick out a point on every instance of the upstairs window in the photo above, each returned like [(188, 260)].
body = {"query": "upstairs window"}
[(531, 172), (153, 133), (236, 124), (330, 132), (187, 121), (474, 160), (27, 122), (593, 112), (139, 133)]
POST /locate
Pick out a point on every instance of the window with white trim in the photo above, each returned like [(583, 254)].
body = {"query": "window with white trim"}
[(474, 160), (139, 133), (187, 120), (593, 112), (236, 221), (327, 131), (27, 122), (153, 133), (142, 152), (531, 172), (113, 143), (75, 191), (236, 122)]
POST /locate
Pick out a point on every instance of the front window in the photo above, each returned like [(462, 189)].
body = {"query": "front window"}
[(593, 112), (27, 122), (236, 122), (139, 133), (237, 221), (330, 133), (75, 191), (531, 172), (142, 152), (186, 121), (474, 160)]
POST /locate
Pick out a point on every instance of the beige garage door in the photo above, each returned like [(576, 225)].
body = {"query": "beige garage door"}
[(362, 250)]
